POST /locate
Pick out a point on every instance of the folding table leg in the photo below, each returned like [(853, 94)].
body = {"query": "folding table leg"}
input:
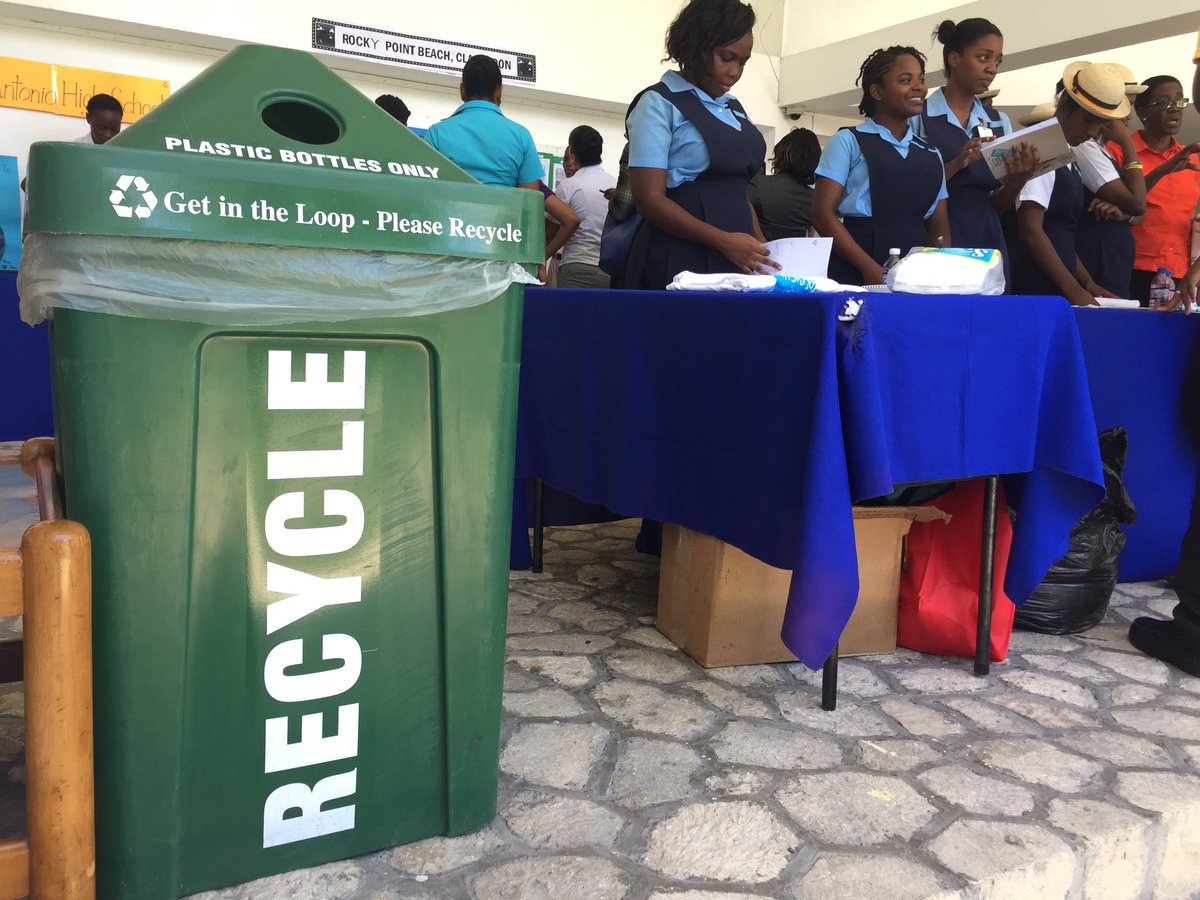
[(987, 570), (538, 524), (829, 682)]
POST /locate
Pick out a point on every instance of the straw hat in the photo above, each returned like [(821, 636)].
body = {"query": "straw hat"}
[(1132, 88), (988, 95), (1099, 88), (1039, 113)]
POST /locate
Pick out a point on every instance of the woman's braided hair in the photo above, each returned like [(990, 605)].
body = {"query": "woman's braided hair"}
[(875, 67)]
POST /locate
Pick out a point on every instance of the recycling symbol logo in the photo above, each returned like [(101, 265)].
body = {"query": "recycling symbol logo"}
[(132, 197)]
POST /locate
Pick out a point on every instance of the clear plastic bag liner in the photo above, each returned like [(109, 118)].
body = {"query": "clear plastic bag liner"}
[(246, 284)]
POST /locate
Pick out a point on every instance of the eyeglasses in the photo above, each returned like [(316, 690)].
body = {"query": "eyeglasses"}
[(1164, 104)]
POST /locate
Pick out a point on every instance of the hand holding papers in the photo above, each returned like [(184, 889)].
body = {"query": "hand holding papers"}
[(802, 257), (1046, 137)]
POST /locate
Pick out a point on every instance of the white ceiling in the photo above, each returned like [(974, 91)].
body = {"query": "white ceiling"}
[(821, 52), (1027, 87)]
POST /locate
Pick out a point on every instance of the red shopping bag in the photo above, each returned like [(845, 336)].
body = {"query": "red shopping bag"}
[(939, 588)]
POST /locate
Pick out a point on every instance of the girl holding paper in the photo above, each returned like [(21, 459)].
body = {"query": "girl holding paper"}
[(1050, 206), (693, 151), (885, 184), (956, 122)]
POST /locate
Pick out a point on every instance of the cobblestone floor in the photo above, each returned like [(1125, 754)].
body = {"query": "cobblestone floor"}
[(628, 771)]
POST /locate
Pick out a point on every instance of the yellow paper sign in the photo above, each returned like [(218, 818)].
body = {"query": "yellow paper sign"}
[(65, 90)]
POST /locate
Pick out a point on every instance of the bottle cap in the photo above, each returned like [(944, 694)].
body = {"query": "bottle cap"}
[(894, 251)]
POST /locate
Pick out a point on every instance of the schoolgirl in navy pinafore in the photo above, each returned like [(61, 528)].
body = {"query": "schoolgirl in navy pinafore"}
[(717, 196), (1060, 223), (974, 221), (1105, 248), (903, 188)]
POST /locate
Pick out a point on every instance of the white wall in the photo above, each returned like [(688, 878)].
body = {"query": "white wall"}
[(591, 59), (1031, 85), (804, 30), (821, 54)]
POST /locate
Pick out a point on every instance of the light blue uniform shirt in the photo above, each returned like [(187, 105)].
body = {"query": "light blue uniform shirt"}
[(935, 106), (661, 137), (480, 140), (842, 161)]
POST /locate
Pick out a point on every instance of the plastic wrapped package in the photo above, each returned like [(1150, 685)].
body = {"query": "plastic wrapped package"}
[(948, 270), (247, 284), (760, 284)]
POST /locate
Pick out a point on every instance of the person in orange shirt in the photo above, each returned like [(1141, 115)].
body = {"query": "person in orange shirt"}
[(1172, 184), (1176, 641)]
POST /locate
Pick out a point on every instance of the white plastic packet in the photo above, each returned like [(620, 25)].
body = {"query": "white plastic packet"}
[(722, 281), (948, 270), (754, 284)]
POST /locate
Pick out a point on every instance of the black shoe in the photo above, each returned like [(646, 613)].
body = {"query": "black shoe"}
[(1161, 639)]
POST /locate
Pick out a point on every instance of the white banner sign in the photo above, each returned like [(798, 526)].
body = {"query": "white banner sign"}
[(417, 52)]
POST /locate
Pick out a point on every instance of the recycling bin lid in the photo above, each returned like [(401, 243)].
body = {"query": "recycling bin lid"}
[(268, 146)]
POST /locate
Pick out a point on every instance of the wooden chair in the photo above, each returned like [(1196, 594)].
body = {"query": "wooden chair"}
[(49, 581)]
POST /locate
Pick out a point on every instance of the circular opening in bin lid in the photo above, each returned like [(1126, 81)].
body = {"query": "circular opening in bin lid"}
[(301, 119)]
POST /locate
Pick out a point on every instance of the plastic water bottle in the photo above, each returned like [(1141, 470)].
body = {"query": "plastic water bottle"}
[(1162, 289), (892, 260)]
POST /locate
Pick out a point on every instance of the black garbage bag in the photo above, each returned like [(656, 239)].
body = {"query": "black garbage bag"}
[(1075, 593)]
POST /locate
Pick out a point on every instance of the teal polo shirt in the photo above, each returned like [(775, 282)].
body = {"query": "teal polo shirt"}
[(481, 141)]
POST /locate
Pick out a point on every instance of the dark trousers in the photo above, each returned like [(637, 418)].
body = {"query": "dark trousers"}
[(1187, 576)]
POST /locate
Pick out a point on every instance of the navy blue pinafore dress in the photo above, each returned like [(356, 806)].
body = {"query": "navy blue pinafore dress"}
[(1060, 224), (1106, 249), (717, 197), (903, 188), (974, 221)]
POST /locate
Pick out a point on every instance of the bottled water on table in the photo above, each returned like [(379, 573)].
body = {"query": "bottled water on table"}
[(1162, 289), (892, 260)]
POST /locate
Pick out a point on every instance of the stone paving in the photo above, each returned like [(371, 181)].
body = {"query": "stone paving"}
[(628, 771)]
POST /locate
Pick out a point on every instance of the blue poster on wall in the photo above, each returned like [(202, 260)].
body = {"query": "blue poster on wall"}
[(10, 215)]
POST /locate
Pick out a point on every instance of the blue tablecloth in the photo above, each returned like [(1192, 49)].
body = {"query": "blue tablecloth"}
[(1138, 367), (759, 419), (24, 370)]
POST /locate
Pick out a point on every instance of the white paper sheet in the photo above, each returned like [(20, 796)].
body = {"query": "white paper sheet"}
[(802, 257)]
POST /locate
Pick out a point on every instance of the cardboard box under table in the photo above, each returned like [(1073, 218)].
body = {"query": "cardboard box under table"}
[(723, 607)]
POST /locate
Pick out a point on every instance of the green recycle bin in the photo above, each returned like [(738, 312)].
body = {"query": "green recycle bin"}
[(285, 342)]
